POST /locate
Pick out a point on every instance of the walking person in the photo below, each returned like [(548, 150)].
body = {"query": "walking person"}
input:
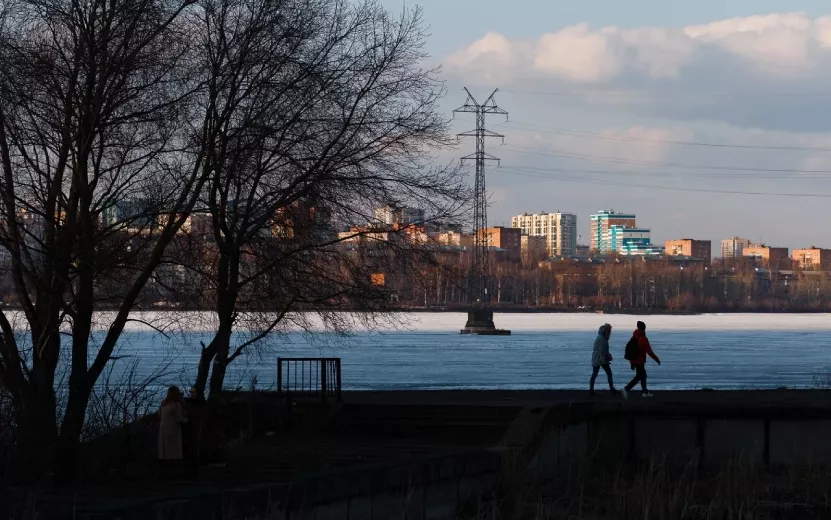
[(601, 357), (636, 351), (170, 430)]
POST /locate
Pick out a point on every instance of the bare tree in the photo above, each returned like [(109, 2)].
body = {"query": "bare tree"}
[(324, 113), (94, 101)]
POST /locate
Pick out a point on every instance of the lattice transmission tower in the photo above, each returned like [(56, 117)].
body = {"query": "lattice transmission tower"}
[(479, 265)]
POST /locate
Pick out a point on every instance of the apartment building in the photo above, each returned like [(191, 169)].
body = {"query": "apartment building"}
[(509, 239), (812, 259), (734, 247), (701, 249), (389, 216), (629, 241), (602, 221), (534, 249), (772, 257), (559, 230)]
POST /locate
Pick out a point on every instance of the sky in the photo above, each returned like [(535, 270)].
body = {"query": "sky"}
[(708, 119)]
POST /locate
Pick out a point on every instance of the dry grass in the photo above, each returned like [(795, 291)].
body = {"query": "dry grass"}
[(659, 491), (655, 490)]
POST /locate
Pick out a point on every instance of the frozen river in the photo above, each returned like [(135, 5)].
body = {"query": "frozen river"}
[(546, 351)]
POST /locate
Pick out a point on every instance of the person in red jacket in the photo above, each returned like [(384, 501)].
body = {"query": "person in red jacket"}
[(639, 363)]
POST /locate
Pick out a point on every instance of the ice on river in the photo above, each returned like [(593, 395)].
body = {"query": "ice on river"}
[(426, 351)]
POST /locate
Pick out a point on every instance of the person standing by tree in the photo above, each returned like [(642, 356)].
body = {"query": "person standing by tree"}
[(170, 429), (601, 357), (636, 351)]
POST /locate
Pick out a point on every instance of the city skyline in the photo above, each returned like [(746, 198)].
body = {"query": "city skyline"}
[(696, 117)]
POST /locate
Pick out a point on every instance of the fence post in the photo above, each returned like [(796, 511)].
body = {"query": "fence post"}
[(339, 382), (323, 388), (279, 376)]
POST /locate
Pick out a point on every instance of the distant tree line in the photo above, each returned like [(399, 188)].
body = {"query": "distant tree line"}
[(633, 285)]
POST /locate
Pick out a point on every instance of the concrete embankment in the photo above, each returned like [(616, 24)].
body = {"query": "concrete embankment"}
[(426, 455)]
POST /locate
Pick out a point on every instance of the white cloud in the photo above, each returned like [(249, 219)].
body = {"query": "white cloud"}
[(793, 42), (492, 45), (579, 54)]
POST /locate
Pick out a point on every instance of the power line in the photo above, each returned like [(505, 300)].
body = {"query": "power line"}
[(703, 175), (550, 152), (557, 131), (662, 187), (634, 95)]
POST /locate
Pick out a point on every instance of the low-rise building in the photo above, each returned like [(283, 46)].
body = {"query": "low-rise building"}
[(772, 257), (812, 259), (534, 249), (583, 250), (453, 238), (509, 239), (701, 249)]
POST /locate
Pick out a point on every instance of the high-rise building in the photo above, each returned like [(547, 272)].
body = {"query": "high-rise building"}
[(734, 247), (772, 257), (389, 215), (701, 249), (509, 239), (600, 224), (559, 230), (813, 259)]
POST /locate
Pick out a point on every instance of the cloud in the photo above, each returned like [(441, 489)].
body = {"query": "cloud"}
[(583, 55), (579, 54), (768, 71)]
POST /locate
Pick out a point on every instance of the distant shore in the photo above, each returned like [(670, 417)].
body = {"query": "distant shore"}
[(506, 310), (630, 312)]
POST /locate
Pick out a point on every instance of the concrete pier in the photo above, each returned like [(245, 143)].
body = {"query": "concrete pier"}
[(480, 321)]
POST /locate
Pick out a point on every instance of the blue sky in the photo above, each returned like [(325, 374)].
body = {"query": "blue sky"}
[(708, 119)]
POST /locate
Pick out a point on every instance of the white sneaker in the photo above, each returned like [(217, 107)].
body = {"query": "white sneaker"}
[(648, 395), (624, 393)]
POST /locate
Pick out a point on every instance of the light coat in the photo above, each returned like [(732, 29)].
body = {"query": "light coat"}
[(600, 351), (170, 431)]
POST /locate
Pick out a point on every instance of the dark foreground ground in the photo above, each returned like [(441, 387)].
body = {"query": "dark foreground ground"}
[(373, 429)]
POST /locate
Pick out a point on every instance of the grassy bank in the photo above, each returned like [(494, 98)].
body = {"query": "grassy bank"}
[(659, 491)]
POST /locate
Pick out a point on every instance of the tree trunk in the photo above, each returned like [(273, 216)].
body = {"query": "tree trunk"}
[(34, 448), (72, 426), (222, 340), (204, 368)]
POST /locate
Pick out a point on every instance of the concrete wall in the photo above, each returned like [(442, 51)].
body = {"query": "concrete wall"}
[(709, 442)]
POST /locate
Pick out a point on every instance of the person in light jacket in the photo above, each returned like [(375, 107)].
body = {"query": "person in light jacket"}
[(601, 357), (170, 429)]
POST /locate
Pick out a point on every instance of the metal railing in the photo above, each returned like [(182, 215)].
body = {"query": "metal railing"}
[(309, 377)]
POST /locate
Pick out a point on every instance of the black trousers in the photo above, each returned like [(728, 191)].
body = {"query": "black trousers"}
[(640, 375), (595, 370)]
